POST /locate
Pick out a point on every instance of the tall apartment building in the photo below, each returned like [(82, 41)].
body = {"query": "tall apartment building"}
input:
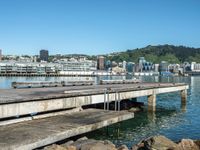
[(100, 63), (44, 55)]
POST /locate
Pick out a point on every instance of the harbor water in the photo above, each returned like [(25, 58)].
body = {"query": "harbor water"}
[(169, 119)]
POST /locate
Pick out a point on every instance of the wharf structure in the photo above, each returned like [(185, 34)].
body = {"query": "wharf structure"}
[(35, 117)]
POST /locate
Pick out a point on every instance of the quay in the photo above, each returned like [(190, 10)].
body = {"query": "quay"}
[(31, 118)]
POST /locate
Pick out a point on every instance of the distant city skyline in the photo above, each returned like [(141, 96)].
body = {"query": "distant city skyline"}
[(96, 27)]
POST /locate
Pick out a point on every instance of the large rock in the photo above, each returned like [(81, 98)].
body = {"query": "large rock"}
[(187, 144), (70, 147), (122, 147), (98, 146), (54, 147), (197, 142), (67, 143), (156, 143), (83, 138), (79, 143)]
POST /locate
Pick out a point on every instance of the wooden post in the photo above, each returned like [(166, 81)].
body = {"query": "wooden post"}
[(152, 102), (184, 96), (183, 99)]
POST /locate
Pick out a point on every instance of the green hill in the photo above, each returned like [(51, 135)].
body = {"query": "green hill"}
[(155, 54)]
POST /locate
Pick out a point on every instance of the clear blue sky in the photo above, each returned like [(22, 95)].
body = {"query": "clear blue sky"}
[(96, 26)]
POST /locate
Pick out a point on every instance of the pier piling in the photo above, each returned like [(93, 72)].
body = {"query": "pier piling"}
[(152, 102), (183, 96)]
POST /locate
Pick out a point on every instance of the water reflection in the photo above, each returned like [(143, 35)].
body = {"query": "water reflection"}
[(143, 125), (151, 115)]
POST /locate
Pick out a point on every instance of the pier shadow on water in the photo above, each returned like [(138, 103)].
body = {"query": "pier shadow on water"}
[(144, 124)]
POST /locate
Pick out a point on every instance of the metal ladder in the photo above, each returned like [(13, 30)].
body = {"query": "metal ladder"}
[(107, 100)]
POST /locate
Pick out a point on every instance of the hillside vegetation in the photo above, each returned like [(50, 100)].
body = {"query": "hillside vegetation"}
[(156, 54)]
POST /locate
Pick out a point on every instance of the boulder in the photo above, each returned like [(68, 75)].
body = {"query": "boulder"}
[(98, 146), (78, 144), (70, 147), (156, 143), (187, 144), (107, 142), (83, 138), (55, 147), (197, 142), (123, 147), (67, 143)]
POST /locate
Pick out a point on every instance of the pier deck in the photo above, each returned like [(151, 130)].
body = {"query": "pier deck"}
[(25, 95), (16, 102), (36, 133)]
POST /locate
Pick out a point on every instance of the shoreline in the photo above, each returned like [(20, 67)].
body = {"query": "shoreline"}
[(157, 142)]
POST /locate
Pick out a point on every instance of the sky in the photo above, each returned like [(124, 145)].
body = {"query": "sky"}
[(96, 26)]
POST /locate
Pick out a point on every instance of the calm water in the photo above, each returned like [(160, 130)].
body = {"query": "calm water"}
[(169, 120)]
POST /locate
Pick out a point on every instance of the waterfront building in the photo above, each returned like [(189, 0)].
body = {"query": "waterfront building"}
[(124, 65), (186, 66), (195, 66), (163, 67), (100, 63), (156, 67), (141, 60), (34, 58), (174, 68), (148, 66), (137, 68), (144, 66), (44, 55), (114, 64), (25, 59), (120, 64), (118, 70), (108, 65), (79, 66), (130, 67), (28, 68)]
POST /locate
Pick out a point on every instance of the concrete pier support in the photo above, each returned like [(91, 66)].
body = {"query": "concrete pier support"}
[(152, 102)]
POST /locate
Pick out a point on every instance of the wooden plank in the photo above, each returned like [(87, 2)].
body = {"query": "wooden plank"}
[(36, 133)]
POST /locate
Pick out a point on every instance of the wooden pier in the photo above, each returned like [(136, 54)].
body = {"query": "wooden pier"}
[(34, 117), (40, 132), (17, 102)]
